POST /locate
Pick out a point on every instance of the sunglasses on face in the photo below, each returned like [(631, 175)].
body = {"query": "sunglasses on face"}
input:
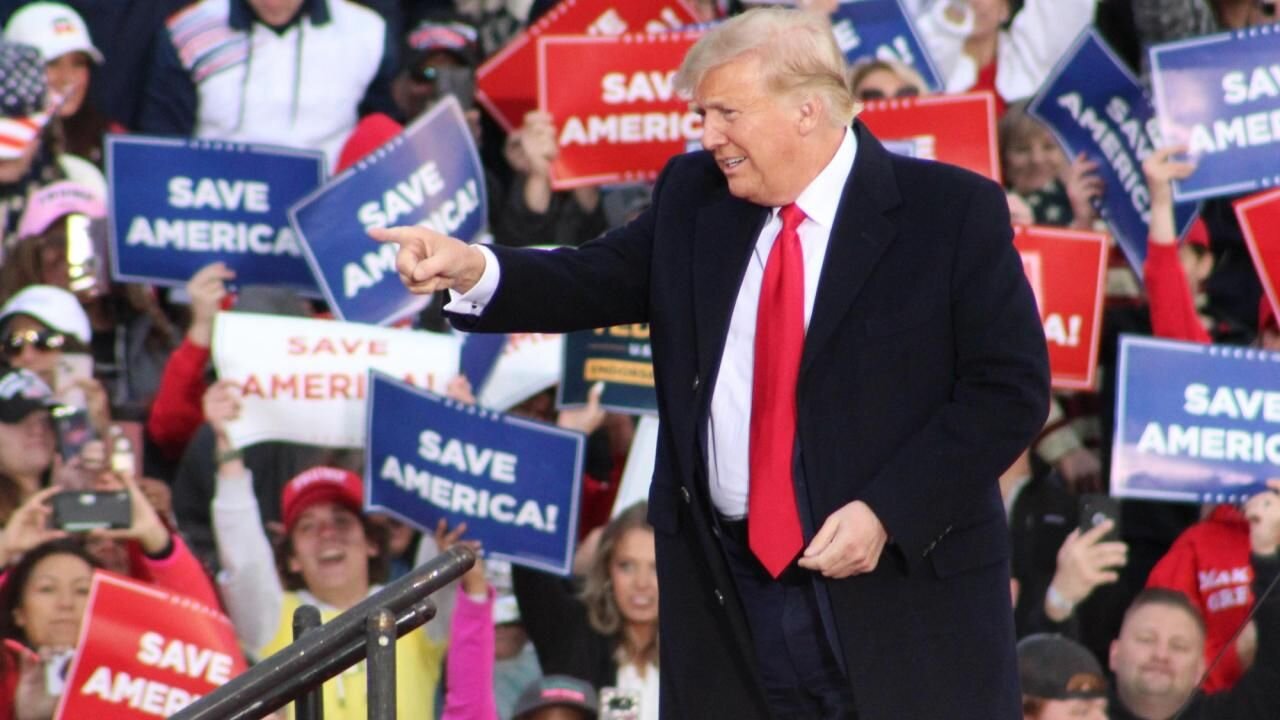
[(906, 91), (43, 340)]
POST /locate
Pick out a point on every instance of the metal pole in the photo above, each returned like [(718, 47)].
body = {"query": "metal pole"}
[(337, 645), (310, 705), (380, 665)]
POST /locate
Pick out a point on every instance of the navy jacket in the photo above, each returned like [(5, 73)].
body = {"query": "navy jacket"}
[(924, 374)]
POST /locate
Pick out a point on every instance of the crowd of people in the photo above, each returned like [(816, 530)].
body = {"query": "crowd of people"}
[(1172, 612)]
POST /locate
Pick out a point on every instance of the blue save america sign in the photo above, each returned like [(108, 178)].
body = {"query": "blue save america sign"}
[(429, 175), (1095, 106), (178, 205), (1195, 423), (881, 29), (514, 482), (1220, 96)]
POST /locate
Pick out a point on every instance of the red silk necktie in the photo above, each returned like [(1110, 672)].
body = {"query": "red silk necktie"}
[(773, 522)]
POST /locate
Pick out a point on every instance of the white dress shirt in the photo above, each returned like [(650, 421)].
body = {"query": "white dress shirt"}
[(729, 426), (728, 465)]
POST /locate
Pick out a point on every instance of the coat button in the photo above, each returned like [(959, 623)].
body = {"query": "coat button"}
[(715, 530), (685, 492), (720, 597), (695, 383)]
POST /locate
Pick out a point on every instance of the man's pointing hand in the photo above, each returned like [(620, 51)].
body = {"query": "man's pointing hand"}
[(428, 261)]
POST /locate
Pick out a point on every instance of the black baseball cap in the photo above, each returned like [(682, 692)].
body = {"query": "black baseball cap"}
[(1055, 668), (22, 392), (557, 691)]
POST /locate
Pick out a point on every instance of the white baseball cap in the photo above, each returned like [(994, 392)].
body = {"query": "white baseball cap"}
[(55, 308), (52, 28)]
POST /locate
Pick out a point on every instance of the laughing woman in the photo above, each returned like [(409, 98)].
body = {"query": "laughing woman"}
[(608, 635)]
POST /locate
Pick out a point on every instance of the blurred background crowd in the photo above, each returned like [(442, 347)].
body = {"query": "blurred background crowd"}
[(1115, 624)]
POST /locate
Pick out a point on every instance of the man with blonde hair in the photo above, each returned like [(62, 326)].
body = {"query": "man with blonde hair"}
[(846, 354)]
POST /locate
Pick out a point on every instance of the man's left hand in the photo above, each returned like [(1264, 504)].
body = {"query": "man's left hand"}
[(848, 543)]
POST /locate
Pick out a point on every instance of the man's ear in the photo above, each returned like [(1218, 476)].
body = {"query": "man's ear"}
[(810, 113)]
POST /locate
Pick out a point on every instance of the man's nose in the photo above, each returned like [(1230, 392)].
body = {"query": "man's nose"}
[(712, 138)]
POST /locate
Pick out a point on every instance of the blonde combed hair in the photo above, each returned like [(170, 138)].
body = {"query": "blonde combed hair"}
[(797, 51)]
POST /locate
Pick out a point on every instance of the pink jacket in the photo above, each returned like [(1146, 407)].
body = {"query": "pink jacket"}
[(469, 666)]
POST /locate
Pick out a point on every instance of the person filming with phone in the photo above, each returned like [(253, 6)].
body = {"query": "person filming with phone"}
[(49, 548)]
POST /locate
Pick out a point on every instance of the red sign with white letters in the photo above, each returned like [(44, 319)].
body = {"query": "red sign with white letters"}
[(620, 119), (1067, 271), (956, 129), (1259, 217), (145, 652), (507, 83)]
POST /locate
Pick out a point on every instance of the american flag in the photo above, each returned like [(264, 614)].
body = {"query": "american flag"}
[(24, 109), (16, 134)]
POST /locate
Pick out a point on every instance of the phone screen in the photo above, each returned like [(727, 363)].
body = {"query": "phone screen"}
[(73, 429)]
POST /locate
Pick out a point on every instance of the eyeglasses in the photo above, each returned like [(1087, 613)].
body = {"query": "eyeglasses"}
[(906, 91), (43, 340)]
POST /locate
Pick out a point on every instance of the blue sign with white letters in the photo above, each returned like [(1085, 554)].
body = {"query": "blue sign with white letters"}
[(1195, 423), (515, 482), (1094, 105), (882, 30), (178, 205), (429, 175), (1220, 96)]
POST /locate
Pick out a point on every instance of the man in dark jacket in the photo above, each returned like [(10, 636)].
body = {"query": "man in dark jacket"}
[(846, 353)]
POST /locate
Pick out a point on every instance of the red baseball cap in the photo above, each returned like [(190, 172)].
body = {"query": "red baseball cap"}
[(319, 485), (371, 133)]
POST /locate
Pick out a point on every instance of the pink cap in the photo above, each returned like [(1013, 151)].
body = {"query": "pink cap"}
[(56, 201)]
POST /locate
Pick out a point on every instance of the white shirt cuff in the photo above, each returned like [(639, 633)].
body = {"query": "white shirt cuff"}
[(473, 301)]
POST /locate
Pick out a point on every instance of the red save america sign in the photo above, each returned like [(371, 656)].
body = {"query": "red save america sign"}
[(620, 118), (956, 129), (1259, 217), (1067, 271), (146, 653), (507, 83)]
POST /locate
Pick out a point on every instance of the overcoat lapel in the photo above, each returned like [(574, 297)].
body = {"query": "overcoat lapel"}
[(860, 235), (724, 238)]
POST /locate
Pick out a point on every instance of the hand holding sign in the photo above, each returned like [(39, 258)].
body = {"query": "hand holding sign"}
[(221, 405), (1084, 186), (208, 289), (538, 142), (587, 418), (32, 698), (429, 261), (1161, 170)]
